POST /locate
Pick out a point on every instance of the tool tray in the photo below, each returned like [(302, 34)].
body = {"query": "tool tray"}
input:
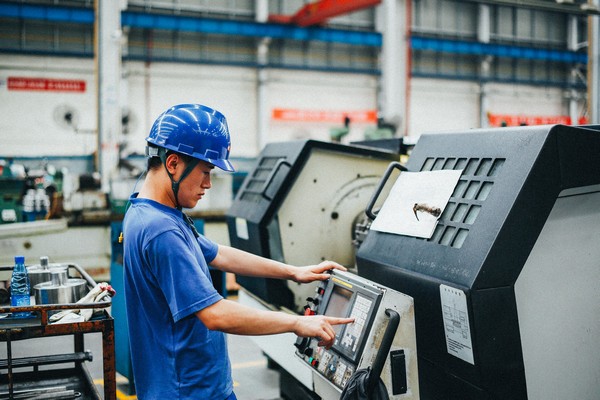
[(25, 374)]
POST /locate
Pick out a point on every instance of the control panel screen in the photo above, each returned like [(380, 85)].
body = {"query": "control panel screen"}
[(347, 300), (338, 305)]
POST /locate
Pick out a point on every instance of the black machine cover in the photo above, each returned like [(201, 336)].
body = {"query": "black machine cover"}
[(510, 180)]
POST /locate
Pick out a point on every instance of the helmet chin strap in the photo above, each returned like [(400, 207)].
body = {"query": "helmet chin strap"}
[(162, 153)]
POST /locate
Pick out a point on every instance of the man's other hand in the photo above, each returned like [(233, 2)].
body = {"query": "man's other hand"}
[(315, 272)]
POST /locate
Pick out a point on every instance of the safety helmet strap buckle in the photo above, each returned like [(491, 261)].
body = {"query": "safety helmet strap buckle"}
[(151, 151)]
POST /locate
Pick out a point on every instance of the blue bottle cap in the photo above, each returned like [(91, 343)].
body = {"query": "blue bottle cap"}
[(19, 259)]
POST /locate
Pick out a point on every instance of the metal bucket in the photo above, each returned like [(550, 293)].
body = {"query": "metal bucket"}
[(60, 289), (42, 272)]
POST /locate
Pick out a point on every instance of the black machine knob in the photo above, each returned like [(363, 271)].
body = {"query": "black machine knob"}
[(315, 301), (301, 344), (308, 351), (322, 286)]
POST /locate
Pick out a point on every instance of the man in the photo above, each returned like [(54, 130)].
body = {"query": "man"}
[(177, 319)]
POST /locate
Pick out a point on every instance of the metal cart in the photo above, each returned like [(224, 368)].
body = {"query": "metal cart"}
[(73, 382)]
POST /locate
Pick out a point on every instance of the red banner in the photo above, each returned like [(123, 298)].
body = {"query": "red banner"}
[(516, 120), (286, 114), (45, 85)]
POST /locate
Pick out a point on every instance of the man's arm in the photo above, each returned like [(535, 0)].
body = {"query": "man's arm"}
[(231, 317), (240, 262)]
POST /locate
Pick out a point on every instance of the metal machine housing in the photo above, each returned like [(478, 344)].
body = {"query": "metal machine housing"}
[(299, 206), (519, 244)]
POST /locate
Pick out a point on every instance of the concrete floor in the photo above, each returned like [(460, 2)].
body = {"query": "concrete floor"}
[(252, 379)]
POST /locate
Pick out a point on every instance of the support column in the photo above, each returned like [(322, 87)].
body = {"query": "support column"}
[(108, 77), (262, 57), (572, 45), (393, 99), (594, 65), (483, 36)]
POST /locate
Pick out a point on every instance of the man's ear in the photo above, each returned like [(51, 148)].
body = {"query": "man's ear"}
[(171, 162)]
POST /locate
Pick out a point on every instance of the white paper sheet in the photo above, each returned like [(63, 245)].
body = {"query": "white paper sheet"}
[(428, 189)]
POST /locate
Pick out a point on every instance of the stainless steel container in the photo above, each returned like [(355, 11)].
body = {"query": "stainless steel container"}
[(60, 289), (41, 273)]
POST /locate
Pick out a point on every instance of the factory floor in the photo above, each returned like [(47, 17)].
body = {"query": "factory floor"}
[(253, 380)]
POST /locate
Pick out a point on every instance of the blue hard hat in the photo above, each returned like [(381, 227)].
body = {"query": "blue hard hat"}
[(195, 130)]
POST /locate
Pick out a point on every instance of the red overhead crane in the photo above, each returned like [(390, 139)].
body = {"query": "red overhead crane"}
[(318, 12)]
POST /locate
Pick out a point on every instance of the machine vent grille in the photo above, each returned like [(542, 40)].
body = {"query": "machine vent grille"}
[(254, 189), (472, 190)]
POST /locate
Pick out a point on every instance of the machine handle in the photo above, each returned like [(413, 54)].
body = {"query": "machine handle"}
[(386, 176), (278, 165), (384, 349)]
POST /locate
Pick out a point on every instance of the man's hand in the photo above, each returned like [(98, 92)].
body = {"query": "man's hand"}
[(315, 272), (320, 326)]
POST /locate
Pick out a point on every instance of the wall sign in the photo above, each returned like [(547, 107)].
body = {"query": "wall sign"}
[(287, 114), (45, 84), (516, 120)]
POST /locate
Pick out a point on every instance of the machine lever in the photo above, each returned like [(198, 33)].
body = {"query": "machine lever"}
[(384, 349), (269, 179), (386, 176)]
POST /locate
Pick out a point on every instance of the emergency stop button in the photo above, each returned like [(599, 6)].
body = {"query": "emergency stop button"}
[(308, 311)]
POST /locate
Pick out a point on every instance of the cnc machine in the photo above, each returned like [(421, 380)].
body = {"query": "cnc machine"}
[(506, 290), (300, 205), (503, 280)]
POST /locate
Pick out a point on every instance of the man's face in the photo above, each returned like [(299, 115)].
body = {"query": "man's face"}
[(195, 185)]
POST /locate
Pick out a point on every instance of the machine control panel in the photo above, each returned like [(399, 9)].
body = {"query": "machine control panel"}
[(382, 337), (343, 295)]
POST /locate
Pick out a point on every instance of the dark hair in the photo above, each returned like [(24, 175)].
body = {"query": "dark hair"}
[(156, 162)]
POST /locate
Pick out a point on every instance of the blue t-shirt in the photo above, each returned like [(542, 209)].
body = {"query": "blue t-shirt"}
[(174, 356)]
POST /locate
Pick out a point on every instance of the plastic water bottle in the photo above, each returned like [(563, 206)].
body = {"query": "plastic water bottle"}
[(19, 287)]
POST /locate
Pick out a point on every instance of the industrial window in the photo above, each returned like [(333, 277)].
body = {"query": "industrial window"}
[(471, 191)]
